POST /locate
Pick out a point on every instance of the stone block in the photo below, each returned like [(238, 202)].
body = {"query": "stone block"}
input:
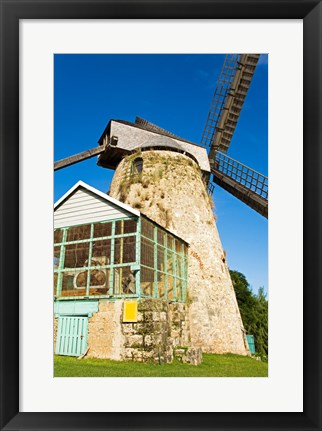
[(156, 316), (127, 328), (150, 305), (193, 356), (148, 316), (163, 316), (179, 353), (169, 355), (135, 341), (188, 355), (175, 334), (147, 356), (128, 353), (158, 328), (148, 340)]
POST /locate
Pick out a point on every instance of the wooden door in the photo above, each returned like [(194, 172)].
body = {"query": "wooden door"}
[(72, 335)]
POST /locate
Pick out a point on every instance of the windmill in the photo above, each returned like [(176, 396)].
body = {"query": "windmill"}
[(165, 176)]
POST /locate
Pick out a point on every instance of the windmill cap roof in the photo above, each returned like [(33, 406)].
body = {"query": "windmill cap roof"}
[(154, 138)]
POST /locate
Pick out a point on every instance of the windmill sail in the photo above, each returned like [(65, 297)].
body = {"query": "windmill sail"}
[(243, 182), (232, 87), (72, 160), (218, 103)]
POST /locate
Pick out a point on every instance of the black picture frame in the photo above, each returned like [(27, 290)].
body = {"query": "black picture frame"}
[(11, 12)]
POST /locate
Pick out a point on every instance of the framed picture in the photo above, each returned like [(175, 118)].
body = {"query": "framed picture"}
[(27, 202)]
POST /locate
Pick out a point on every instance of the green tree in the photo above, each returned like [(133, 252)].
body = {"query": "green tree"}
[(254, 311)]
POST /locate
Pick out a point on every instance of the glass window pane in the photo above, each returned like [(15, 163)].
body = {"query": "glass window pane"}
[(101, 252), (125, 226), (161, 236), (130, 226), (129, 249), (119, 227), (124, 250), (161, 285), (179, 289), (76, 255), (80, 279), (56, 257), (147, 281), (58, 235), (117, 251), (147, 228), (99, 281), (170, 241), (124, 281), (55, 282), (102, 229), (160, 259), (74, 283), (170, 265), (147, 253), (170, 287), (79, 233), (178, 266)]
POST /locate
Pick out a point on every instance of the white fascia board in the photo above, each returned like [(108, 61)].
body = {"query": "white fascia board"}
[(98, 193)]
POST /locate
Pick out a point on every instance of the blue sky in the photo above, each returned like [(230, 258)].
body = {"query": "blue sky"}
[(175, 92)]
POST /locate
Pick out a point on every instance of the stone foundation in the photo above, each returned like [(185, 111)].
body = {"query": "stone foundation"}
[(161, 326), (105, 336)]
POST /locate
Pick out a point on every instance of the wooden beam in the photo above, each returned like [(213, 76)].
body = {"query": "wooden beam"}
[(78, 157)]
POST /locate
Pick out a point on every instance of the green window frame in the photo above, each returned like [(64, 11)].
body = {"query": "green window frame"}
[(131, 257), (78, 270), (164, 256)]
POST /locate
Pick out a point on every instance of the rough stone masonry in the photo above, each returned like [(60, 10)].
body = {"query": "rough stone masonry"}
[(170, 191)]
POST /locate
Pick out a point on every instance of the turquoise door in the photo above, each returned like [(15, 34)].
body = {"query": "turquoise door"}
[(251, 343), (71, 335)]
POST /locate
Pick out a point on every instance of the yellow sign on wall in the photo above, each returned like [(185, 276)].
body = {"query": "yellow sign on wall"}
[(130, 311)]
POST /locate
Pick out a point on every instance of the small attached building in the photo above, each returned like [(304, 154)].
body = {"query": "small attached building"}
[(120, 280)]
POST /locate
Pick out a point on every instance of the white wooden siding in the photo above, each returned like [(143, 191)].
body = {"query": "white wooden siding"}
[(85, 207)]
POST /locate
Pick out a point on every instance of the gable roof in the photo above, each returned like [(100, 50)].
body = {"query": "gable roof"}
[(81, 184)]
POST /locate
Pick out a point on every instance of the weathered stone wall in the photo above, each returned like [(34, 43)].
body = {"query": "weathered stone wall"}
[(105, 336), (161, 326), (179, 324), (170, 191)]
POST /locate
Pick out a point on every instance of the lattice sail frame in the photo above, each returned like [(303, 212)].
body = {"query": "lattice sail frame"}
[(229, 96), (254, 181), (246, 184), (225, 80)]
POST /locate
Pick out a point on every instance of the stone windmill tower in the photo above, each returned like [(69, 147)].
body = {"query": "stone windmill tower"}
[(169, 179)]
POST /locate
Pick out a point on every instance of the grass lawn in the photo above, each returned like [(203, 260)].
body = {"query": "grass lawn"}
[(212, 366)]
